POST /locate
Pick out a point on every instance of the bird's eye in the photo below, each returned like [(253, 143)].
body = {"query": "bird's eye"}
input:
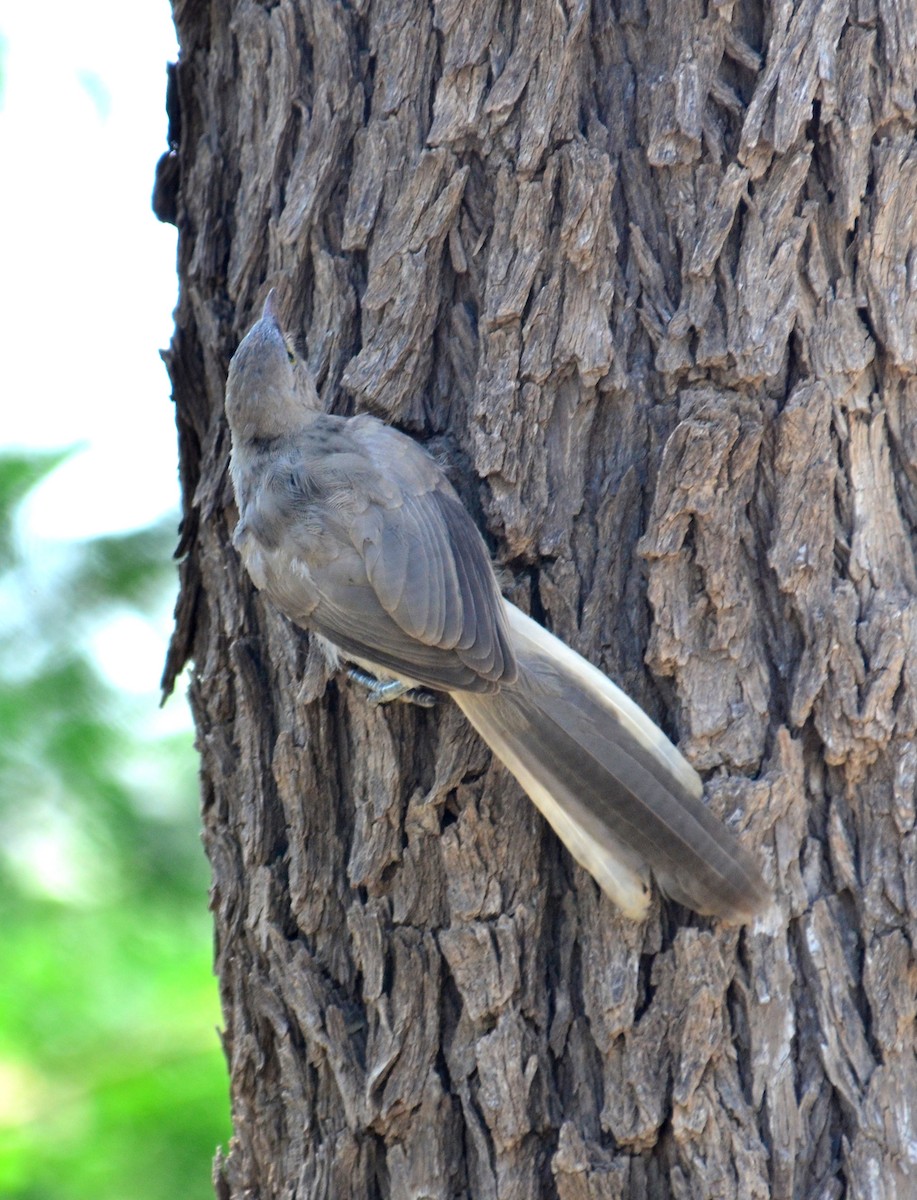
[(291, 356)]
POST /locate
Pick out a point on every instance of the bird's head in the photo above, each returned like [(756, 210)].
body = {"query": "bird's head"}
[(269, 390)]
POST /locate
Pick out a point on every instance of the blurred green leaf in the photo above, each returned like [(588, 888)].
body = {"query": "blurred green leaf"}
[(19, 473), (112, 1079), (129, 568)]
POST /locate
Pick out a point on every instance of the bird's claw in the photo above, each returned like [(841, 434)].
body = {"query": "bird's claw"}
[(385, 691)]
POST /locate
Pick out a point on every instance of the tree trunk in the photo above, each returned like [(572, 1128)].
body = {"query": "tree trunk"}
[(642, 274)]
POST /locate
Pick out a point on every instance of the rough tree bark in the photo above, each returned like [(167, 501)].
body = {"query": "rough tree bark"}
[(643, 273)]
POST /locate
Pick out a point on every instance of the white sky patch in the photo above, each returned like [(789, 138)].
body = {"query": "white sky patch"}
[(88, 272), (89, 285), (128, 648)]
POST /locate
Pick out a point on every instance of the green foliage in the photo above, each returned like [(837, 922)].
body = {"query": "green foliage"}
[(112, 1080), (19, 473)]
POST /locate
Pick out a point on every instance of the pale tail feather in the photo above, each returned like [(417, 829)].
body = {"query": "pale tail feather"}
[(610, 783)]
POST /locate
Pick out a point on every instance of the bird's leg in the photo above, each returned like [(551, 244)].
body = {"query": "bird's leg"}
[(385, 691)]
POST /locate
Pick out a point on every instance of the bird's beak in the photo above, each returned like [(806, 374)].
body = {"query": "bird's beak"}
[(270, 311)]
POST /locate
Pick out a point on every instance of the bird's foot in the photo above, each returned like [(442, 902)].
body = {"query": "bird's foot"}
[(385, 691)]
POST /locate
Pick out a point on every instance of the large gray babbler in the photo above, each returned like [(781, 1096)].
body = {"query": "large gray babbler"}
[(354, 532)]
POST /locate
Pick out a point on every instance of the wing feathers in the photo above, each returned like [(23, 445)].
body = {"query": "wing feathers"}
[(426, 560)]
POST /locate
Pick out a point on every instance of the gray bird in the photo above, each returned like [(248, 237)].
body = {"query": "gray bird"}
[(354, 532)]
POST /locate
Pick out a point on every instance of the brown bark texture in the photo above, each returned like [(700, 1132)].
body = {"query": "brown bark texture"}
[(642, 273)]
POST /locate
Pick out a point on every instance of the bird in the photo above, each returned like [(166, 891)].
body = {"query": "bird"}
[(354, 532)]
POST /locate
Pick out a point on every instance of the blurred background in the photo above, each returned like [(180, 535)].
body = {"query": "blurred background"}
[(112, 1079)]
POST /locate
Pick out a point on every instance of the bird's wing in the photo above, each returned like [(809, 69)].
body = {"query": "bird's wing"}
[(426, 560), (398, 572)]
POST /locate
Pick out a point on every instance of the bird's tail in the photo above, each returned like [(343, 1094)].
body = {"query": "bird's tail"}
[(611, 784)]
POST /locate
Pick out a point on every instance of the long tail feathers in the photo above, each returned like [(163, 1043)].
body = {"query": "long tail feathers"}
[(614, 788)]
